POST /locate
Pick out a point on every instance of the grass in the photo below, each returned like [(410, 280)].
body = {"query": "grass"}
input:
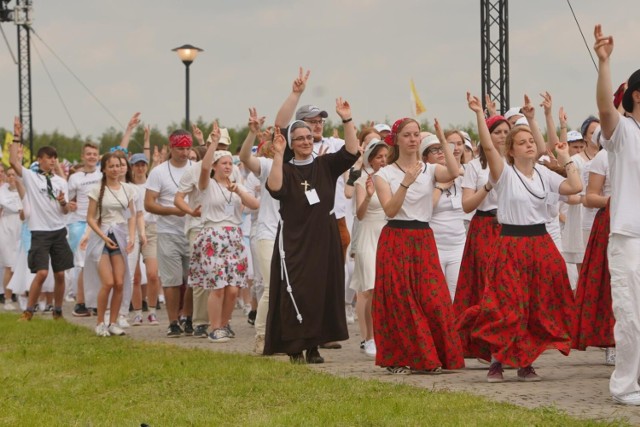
[(59, 374)]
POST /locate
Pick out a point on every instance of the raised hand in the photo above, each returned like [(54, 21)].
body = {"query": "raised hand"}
[(603, 45), (17, 128), (439, 131), (343, 109), (197, 133), (491, 106), (474, 103), (255, 122), (528, 110), (133, 121), (147, 133), (562, 117), (279, 142), (215, 133), (562, 148), (547, 103), (300, 83)]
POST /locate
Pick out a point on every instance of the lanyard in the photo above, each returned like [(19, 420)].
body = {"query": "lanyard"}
[(116, 197)]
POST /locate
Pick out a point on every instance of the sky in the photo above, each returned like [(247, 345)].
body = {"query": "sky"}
[(365, 51)]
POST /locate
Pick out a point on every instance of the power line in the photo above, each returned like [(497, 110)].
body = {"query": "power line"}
[(104, 107), (582, 34), (56, 89), (4, 36)]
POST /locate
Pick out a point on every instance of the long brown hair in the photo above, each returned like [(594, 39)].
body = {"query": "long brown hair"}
[(481, 154), (103, 182), (448, 133)]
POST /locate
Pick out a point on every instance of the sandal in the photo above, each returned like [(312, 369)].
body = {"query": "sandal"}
[(398, 370)]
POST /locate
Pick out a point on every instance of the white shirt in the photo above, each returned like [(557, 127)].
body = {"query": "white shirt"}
[(417, 205), (333, 145), (624, 158), (114, 203), (475, 178), (268, 216), (219, 205), (164, 179), (447, 221), (10, 202), (189, 186), (46, 213), (584, 166), (600, 166), (523, 201), (149, 218), (79, 185)]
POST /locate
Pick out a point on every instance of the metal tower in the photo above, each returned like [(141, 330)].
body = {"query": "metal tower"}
[(494, 36)]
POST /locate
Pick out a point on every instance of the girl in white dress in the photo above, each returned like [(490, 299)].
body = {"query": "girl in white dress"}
[(11, 217)]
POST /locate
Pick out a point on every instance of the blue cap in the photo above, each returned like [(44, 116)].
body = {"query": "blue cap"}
[(138, 157)]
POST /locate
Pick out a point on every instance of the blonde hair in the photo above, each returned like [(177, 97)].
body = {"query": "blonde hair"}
[(508, 145)]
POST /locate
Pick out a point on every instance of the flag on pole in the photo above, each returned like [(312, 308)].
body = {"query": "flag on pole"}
[(418, 106)]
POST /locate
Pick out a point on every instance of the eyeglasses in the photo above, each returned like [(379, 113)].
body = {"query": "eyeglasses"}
[(302, 138), (316, 122), (434, 150)]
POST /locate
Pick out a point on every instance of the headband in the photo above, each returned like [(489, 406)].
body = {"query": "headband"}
[(390, 139), (217, 155), (493, 121), (180, 141)]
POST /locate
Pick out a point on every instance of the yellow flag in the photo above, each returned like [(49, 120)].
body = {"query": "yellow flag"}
[(415, 99)]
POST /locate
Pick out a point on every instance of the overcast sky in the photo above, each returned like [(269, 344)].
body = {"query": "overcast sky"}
[(363, 50)]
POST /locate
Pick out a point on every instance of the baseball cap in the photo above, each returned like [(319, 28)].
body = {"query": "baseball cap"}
[(309, 111), (138, 157)]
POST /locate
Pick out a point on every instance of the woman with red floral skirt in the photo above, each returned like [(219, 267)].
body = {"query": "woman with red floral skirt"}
[(527, 306), (413, 319)]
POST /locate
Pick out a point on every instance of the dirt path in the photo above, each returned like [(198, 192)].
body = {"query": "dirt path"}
[(577, 384)]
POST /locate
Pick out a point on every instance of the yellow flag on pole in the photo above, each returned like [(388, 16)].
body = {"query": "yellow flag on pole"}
[(417, 103)]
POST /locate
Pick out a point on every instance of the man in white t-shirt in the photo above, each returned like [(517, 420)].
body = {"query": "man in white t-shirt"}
[(173, 246), (47, 196), (621, 139), (79, 184)]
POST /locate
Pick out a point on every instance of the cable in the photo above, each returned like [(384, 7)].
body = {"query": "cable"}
[(104, 107), (4, 36), (582, 34), (56, 88)]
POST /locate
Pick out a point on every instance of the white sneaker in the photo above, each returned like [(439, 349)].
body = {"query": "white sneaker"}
[(137, 320), (370, 348), (161, 299), (610, 356), (70, 297), (23, 302), (123, 322), (9, 306), (632, 399), (351, 319), (116, 330), (102, 330)]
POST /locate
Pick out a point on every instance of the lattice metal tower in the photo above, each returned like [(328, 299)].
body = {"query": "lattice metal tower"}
[(494, 29)]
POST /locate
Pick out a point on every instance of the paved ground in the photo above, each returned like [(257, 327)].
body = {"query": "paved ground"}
[(577, 384)]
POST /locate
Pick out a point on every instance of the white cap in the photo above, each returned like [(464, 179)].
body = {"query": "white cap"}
[(574, 135), (522, 121), (514, 111), (467, 139), (381, 127), (428, 142)]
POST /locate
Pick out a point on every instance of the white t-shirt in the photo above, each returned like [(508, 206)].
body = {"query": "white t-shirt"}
[(149, 218), (475, 178), (600, 166), (46, 212), (418, 204), (624, 158), (164, 179), (79, 185), (219, 205), (269, 214), (523, 201), (447, 221), (189, 186), (252, 183), (10, 202), (333, 145), (114, 203), (584, 166)]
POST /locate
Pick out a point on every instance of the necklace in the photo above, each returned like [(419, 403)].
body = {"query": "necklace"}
[(544, 196), (223, 195)]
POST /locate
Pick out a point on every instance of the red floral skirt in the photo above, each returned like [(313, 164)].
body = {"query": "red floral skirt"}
[(413, 320), (527, 306), (593, 297)]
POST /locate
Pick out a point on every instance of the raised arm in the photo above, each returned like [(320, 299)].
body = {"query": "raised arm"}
[(274, 181), (197, 134), (609, 116), (573, 183), (288, 108), (494, 159), (146, 150), (133, 122), (452, 169), (529, 113), (207, 160), (547, 105), (15, 159), (350, 138), (250, 161)]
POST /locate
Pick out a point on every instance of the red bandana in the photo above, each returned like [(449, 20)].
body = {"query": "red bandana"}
[(180, 141), (495, 119), (390, 139), (617, 96)]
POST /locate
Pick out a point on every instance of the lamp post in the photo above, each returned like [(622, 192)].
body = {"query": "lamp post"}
[(187, 53)]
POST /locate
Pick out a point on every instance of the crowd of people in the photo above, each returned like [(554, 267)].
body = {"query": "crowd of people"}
[(447, 248)]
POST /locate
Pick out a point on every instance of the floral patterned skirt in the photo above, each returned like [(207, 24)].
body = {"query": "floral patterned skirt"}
[(218, 258), (413, 319), (593, 297), (527, 306)]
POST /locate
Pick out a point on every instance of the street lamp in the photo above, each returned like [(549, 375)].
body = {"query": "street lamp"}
[(187, 54)]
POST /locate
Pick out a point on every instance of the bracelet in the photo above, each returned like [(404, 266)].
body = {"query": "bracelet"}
[(570, 162), (347, 120), (146, 148), (17, 141), (404, 186), (486, 189), (437, 187)]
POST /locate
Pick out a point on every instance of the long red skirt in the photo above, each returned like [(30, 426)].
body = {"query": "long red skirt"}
[(527, 306), (593, 297), (413, 319)]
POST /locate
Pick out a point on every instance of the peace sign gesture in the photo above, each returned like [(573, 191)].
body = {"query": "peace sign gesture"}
[(17, 128), (279, 142), (547, 103), (474, 103), (528, 110), (343, 109), (215, 133), (603, 45), (300, 83), (255, 123)]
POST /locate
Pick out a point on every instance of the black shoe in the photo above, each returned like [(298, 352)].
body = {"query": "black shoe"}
[(14, 298), (130, 307), (2, 300), (230, 332), (201, 331), (145, 306), (158, 306), (48, 308), (187, 326), (297, 358), (313, 356), (93, 311), (80, 310), (251, 317), (174, 330)]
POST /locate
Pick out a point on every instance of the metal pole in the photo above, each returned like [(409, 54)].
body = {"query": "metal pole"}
[(188, 126)]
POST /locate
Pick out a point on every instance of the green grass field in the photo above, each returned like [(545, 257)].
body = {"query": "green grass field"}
[(58, 374)]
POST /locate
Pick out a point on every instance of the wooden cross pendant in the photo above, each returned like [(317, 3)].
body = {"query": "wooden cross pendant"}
[(306, 185)]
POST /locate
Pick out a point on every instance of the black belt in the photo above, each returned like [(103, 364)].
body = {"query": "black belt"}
[(491, 213), (409, 225), (523, 230)]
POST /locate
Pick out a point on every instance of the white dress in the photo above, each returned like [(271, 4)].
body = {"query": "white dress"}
[(10, 225), (368, 233)]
